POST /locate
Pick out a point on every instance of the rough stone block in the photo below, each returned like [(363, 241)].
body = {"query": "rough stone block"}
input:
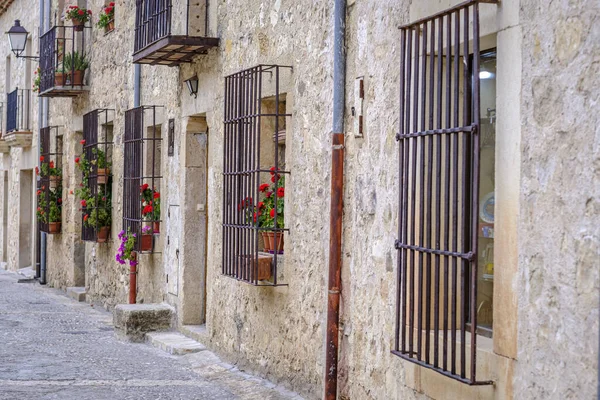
[(76, 293), (133, 321)]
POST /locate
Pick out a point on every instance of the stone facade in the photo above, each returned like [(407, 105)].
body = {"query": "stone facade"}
[(545, 340)]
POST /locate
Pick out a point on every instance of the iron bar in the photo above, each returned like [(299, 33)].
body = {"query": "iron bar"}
[(438, 157)]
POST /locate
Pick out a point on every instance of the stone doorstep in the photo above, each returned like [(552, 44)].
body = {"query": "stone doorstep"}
[(133, 321), (76, 293), (174, 343), (28, 272)]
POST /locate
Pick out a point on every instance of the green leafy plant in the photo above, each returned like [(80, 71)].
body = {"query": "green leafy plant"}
[(125, 251), (74, 61), (107, 15), (100, 160), (37, 80), (99, 211), (41, 209), (54, 214)]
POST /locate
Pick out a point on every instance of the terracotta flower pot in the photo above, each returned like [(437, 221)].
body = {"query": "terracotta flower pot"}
[(78, 25), (103, 174), (146, 242), (60, 79), (266, 242), (275, 241), (109, 27), (156, 227), (103, 234), (78, 78), (54, 181), (54, 227)]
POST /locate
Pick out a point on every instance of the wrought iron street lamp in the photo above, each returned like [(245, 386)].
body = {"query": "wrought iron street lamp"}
[(192, 85), (17, 37)]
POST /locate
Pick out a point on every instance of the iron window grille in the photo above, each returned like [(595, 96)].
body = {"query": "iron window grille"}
[(63, 61), (49, 194), (142, 156), (168, 34), (18, 111), (249, 131), (2, 119), (438, 196), (98, 151)]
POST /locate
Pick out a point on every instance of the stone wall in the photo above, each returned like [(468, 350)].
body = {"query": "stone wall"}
[(559, 228), (18, 73)]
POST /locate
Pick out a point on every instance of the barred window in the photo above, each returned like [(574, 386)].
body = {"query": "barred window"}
[(97, 175), (254, 174), (49, 193), (18, 106), (142, 175), (439, 167)]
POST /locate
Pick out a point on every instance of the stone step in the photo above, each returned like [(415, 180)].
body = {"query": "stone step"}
[(174, 343), (76, 293), (196, 332), (133, 321)]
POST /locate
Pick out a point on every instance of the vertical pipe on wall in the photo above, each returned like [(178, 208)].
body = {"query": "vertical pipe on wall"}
[(137, 77), (336, 205), (43, 122)]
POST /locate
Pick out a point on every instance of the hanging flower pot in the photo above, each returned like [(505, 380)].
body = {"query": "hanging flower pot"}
[(103, 174), (110, 26), (103, 234), (60, 79), (146, 242), (78, 25), (267, 244), (54, 181), (275, 242), (54, 227)]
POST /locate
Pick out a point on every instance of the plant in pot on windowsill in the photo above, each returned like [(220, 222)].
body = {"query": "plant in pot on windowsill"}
[(107, 18), (103, 166), (264, 211), (151, 206), (79, 16), (99, 215), (61, 77), (75, 63), (52, 172)]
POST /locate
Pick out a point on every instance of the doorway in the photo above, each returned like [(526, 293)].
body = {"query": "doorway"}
[(26, 219)]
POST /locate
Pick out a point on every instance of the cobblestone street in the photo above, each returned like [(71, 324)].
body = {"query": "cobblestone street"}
[(52, 347)]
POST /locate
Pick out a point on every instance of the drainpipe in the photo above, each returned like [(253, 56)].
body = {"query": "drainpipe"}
[(337, 201), (137, 77), (43, 122)]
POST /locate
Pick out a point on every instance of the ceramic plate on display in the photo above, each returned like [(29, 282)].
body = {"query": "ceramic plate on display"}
[(486, 208)]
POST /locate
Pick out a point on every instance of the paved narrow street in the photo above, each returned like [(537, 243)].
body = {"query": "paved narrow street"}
[(52, 347)]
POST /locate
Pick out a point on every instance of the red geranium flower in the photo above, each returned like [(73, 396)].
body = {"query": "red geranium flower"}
[(39, 209), (70, 191), (59, 200), (272, 213), (254, 217), (112, 4), (41, 158), (82, 141), (85, 217), (272, 170), (261, 205), (268, 194), (90, 12), (156, 195), (43, 187), (76, 160), (147, 210), (143, 187), (39, 192), (274, 178), (37, 170), (51, 164), (280, 192), (80, 12), (83, 203), (263, 187)]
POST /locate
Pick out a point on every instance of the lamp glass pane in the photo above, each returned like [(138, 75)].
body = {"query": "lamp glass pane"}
[(17, 41)]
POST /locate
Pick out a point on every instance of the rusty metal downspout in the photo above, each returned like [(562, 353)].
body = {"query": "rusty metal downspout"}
[(337, 202)]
